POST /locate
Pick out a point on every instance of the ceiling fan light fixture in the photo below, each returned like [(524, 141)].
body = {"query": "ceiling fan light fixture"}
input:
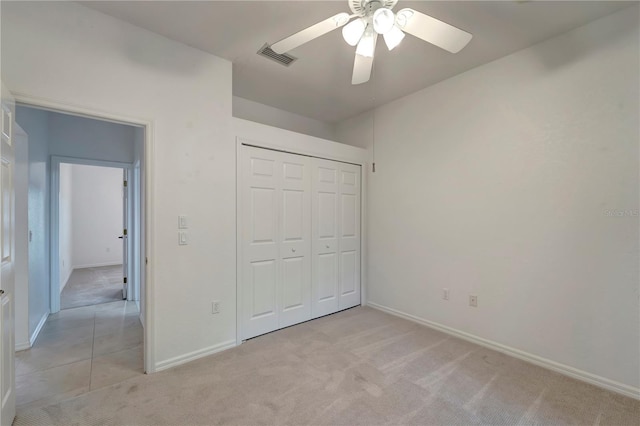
[(403, 16), (341, 19), (393, 37), (383, 20), (367, 44), (353, 31)]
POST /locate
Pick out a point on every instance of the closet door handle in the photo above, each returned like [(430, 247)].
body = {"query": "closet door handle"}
[(327, 246), (293, 250)]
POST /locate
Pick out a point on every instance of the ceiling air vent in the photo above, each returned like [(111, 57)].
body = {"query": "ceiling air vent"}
[(284, 59)]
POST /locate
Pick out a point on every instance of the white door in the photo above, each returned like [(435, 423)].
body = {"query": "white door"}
[(125, 233), (300, 239), (7, 248), (325, 207), (276, 270), (260, 242), (294, 199), (336, 236), (349, 235)]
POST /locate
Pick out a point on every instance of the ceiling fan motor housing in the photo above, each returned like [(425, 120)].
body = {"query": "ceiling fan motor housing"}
[(366, 8)]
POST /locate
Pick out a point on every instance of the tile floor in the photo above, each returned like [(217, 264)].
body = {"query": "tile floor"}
[(79, 350), (92, 286)]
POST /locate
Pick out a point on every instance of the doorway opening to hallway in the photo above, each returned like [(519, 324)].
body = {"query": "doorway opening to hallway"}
[(92, 216), (81, 307)]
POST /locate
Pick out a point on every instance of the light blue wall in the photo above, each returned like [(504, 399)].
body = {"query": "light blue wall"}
[(36, 124), (72, 136)]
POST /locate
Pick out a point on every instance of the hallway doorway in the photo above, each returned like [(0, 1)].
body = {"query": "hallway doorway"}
[(84, 304), (92, 216)]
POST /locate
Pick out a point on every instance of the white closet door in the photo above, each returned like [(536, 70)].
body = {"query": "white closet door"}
[(276, 271), (336, 236), (295, 239), (325, 205), (260, 298), (349, 236)]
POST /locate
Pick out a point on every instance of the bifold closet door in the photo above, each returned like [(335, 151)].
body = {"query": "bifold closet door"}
[(276, 240), (336, 236), (349, 233)]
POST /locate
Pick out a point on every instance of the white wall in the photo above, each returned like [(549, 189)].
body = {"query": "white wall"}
[(98, 62), (271, 116), (97, 216), (358, 130), (499, 182), (35, 124), (65, 235), (277, 138)]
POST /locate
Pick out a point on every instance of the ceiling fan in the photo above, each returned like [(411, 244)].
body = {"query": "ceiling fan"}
[(372, 18)]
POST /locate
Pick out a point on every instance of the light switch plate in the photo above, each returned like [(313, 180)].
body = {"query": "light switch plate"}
[(182, 238), (182, 222)]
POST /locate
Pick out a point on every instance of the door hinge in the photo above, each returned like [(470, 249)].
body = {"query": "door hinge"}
[(125, 183), (124, 232), (125, 280), (146, 260)]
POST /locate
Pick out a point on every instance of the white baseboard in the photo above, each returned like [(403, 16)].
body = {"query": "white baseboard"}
[(23, 346), (182, 359), (97, 265), (36, 332), (575, 373)]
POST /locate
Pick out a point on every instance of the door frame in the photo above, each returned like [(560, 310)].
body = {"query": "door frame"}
[(291, 147), (146, 201), (54, 240)]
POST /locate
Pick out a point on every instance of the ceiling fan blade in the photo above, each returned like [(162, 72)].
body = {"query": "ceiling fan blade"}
[(432, 30), (362, 66), (363, 63), (308, 34)]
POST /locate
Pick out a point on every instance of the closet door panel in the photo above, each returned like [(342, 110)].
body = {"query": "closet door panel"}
[(295, 239), (349, 235), (263, 288), (300, 239), (260, 231), (325, 229)]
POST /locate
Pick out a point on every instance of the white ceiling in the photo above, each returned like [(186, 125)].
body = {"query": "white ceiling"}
[(318, 85)]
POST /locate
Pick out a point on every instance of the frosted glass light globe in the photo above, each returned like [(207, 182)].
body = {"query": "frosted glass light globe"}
[(393, 37), (383, 20), (353, 31)]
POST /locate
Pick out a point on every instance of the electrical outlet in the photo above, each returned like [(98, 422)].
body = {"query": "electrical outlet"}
[(215, 307), (473, 301), (445, 294)]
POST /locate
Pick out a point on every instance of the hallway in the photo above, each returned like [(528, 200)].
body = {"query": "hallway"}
[(92, 286), (79, 350)]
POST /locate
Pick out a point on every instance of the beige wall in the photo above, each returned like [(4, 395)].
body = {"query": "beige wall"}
[(501, 182)]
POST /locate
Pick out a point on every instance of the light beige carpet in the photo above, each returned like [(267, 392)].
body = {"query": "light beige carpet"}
[(359, 366)]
